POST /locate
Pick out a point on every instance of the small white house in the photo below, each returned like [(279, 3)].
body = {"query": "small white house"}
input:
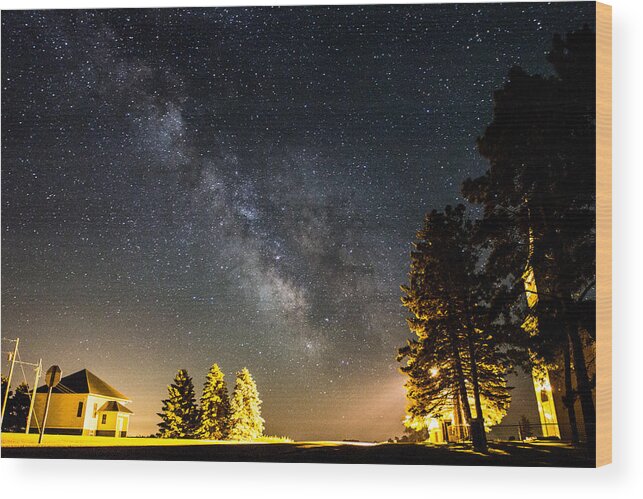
[(83, 404)]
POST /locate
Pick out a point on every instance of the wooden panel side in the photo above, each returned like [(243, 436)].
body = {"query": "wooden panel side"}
[(603, 234)]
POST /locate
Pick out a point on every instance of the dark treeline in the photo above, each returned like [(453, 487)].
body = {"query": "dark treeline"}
[(18, 401), (472, 317)]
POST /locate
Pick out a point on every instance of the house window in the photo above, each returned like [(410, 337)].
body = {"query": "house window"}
[(79, 413), (103, 419)]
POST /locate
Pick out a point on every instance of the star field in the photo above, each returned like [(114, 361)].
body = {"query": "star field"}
[(241, 186)]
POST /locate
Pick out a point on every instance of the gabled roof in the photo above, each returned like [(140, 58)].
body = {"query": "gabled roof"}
[(113, 406), (84, 381)]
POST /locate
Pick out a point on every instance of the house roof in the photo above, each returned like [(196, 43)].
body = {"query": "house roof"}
[(113, 406), (84, 381)]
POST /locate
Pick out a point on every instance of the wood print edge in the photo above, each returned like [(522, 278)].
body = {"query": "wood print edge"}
[(603, 234)]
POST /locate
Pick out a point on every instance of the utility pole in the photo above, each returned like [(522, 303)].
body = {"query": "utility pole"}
[(33, 396), (13, 363)]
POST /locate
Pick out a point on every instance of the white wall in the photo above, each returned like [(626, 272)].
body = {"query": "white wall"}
[(91, 418)]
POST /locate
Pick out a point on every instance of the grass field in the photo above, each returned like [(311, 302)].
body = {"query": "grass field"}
[(23, 440), (274, 450)]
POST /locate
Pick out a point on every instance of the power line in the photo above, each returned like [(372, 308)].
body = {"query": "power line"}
[(16, 359)]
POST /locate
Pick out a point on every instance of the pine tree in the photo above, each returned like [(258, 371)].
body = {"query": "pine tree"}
[(454, 361), (539, 200), (179, 413), (214, 408), (246, 422), (15, 418)]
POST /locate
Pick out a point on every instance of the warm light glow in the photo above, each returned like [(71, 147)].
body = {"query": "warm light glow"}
[(433, 424), (545, 402), (540, 374)]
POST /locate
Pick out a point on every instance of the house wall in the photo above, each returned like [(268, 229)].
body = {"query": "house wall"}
[(63, 410), (109, 428), (548, 408), (94, 402), (62, 416), (125, 422), (91, 415)]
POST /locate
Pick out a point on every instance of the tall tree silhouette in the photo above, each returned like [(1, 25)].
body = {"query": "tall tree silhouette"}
[(539, 202), (15, 418), (453, 358)]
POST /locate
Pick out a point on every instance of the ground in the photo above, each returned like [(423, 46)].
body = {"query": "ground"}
[(500, 453)]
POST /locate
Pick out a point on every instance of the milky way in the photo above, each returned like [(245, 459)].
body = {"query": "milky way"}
[(241, 186)]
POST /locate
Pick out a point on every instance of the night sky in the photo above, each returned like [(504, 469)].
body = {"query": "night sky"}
[(241, 186)]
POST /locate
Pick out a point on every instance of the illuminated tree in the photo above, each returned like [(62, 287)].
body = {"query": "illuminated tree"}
[(179, 413), (453, 359), (540, 206), (246, 422), (214, 408)]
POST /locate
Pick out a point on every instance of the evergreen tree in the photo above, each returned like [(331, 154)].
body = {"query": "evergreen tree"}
[(15, 417), (179, 413), (5, 387), (214, 409), (454, 360), (539, 200), (246, 422)]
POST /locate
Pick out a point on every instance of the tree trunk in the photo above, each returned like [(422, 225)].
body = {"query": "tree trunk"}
[(458, 417), (583, 385), (570, 396), (462, 387), (477, 429), (584, 389)]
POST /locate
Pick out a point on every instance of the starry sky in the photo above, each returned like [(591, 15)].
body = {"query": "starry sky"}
[(241, 186)]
